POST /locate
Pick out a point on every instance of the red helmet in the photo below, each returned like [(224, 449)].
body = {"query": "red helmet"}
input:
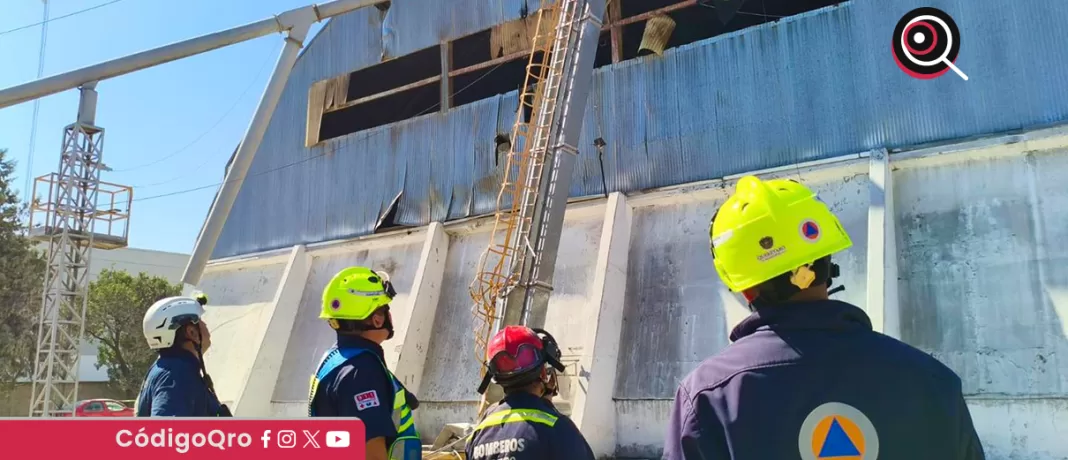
[(517, 354)]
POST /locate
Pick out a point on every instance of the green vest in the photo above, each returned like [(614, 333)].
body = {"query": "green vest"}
[(407, 446)]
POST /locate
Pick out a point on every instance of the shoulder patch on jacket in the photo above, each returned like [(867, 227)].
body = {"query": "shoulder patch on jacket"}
[(367, 400)]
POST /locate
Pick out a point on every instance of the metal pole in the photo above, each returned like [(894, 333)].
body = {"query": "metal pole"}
[(246, 151), (134, 62)]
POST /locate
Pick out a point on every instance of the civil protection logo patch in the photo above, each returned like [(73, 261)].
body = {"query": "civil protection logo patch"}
[(837, 431), (809, 230)]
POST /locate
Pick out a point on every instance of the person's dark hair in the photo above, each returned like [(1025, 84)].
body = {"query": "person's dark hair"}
[(180, 336), (524, 382), (351, 326), (780, 289)]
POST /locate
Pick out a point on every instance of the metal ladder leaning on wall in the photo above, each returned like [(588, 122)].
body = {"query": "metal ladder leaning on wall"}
[(507, 271), (511, 249)]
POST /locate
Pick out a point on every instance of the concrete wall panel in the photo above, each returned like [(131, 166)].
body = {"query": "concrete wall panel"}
[(237, 296), (398, 256), (1021, 429), (451, 375), (640, 427), (981, 259), (451, 372), (674, 313), (571, 299)]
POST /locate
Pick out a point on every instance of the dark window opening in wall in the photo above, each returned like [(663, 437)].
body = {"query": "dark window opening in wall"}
[(395, 73), (389, 92), (486, 82), (494, 61), (604, 51), (473, 49), (381, 111)]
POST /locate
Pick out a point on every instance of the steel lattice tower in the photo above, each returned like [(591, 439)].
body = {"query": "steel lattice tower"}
[(69, 228)]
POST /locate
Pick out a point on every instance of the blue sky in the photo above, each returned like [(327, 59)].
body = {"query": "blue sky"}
[(168, 128)]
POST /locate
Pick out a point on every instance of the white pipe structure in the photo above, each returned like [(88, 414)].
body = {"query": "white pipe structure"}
[(294, 23), (278, 24)]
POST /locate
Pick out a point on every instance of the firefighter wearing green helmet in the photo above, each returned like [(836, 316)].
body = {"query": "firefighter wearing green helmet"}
[(352, 379), (807, 377)]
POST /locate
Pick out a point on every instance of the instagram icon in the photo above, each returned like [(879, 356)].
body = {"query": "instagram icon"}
[(287, 439)]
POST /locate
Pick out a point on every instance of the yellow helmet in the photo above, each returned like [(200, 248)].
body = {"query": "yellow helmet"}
[(355, 293), (768, 228)]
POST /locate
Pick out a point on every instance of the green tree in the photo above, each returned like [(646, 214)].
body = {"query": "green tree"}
[(21, 279), (117, 304)]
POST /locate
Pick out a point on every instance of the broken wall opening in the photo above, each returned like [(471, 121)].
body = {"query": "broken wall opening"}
[(696, 20), (493, 61)]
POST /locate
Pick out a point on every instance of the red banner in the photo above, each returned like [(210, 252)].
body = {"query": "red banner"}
[(202, 438)]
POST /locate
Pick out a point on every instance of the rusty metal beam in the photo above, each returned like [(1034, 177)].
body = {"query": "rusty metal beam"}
[(616, 31), (399, 89), (490, 63), (648, 14)]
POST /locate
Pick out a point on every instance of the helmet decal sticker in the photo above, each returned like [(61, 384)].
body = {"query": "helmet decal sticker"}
[(772, 254), (810, 230), (767, 242)]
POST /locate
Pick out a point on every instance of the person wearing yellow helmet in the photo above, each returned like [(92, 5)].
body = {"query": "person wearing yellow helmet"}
[(807, 377), (352, 379)]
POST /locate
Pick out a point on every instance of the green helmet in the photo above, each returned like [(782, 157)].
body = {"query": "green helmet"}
[(355, 293)]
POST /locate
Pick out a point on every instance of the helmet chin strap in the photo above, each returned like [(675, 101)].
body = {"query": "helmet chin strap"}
[(200, 359), (388, 325)]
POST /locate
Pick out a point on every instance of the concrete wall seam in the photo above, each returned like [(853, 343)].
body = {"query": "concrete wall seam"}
[(882, 253), (593, 407), (417, 325)]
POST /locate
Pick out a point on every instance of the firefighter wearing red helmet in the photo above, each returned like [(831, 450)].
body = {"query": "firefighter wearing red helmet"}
[(525, 425)]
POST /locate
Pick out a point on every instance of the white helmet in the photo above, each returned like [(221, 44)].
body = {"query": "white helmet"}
[(164, 318)]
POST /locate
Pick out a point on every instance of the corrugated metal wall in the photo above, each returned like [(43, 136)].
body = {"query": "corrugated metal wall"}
[(808, 87)]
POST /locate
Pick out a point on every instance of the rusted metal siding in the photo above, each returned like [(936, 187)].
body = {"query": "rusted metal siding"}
[(811, 86)]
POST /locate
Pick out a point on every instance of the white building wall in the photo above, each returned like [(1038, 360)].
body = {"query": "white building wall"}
[(981, 283), (169, 265)]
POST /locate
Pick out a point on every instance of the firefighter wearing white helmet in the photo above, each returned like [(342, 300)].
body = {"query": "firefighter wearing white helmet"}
[(177, 384)]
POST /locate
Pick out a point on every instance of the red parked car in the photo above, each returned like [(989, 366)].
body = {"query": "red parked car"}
[(101, 408)]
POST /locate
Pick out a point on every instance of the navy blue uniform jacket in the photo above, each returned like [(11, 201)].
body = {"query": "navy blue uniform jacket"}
[(523, 440), (812, 381), (365, 376), (175, 388)]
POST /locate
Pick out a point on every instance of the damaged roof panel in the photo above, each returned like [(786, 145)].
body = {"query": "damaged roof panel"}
[(811, 86), (411, 25)]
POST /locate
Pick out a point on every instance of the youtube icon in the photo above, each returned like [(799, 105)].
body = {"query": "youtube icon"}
[(337, 439)]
